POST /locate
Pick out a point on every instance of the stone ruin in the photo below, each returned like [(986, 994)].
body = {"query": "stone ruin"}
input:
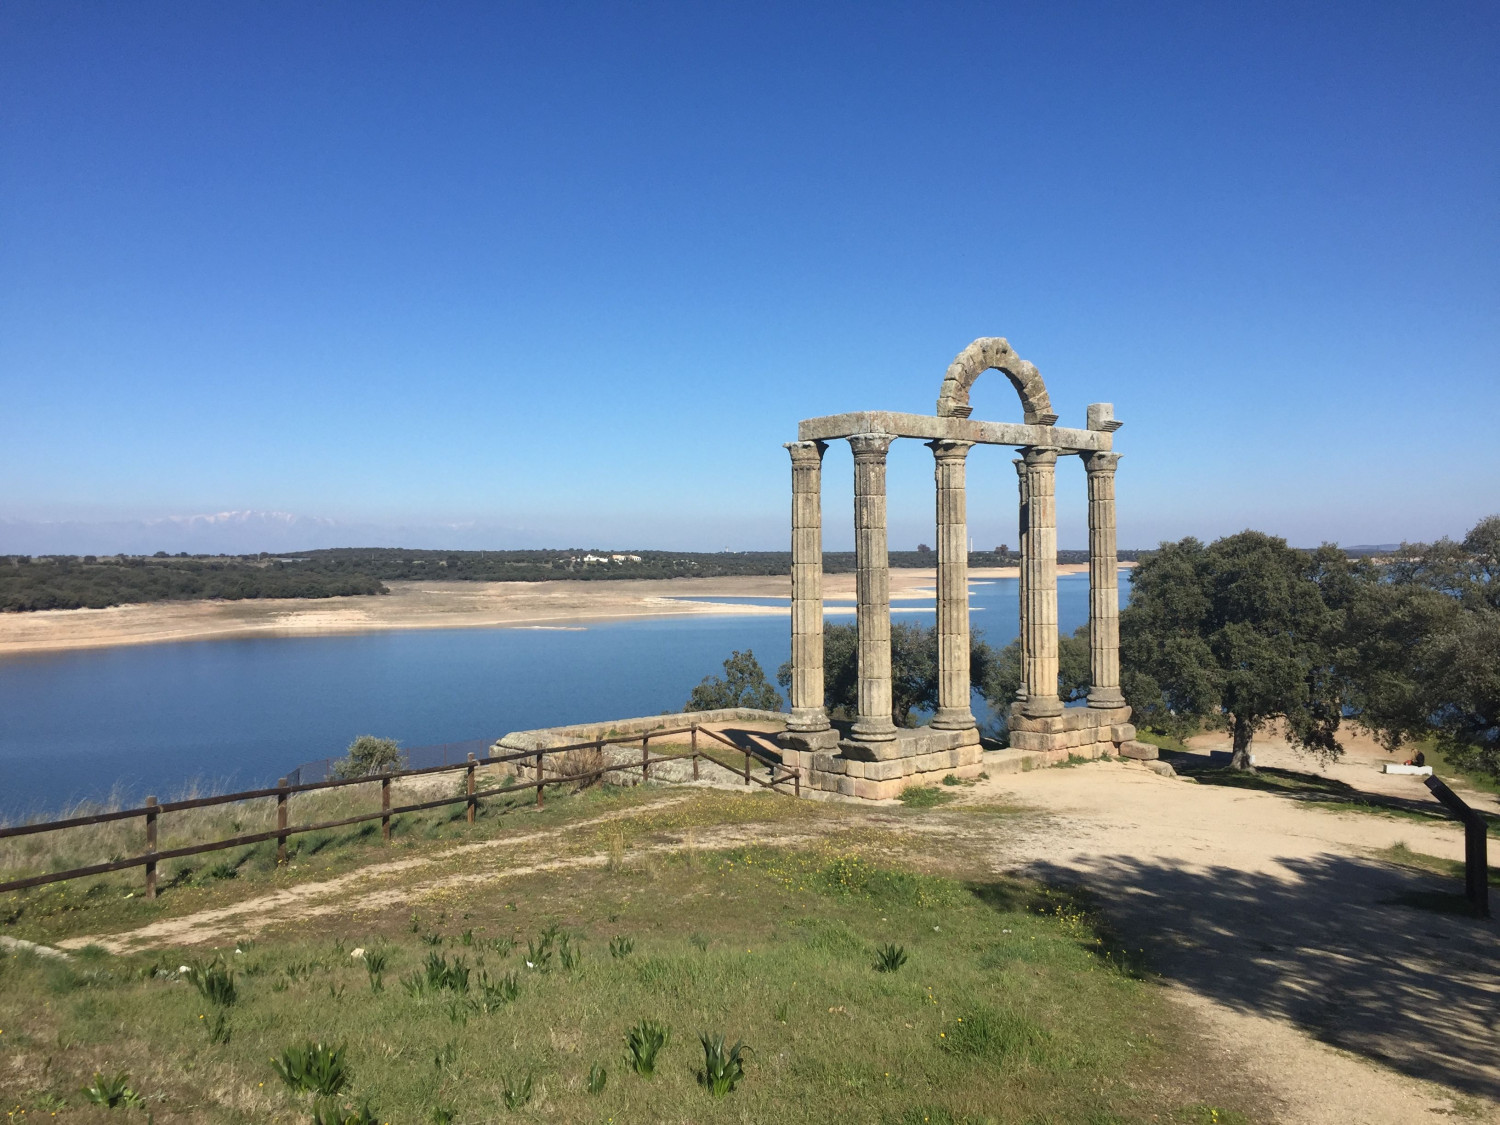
[(879, 759)]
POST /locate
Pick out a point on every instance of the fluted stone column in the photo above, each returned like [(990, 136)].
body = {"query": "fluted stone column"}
[(953, 711), (872, 589), (808, 714), (1104, 583), (1023, 538), (1039, 571)]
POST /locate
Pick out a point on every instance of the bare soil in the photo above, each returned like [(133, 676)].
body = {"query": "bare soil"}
[(430, 605)]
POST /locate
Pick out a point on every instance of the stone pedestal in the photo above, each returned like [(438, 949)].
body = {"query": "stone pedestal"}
[(1085, 732), (923, 756)]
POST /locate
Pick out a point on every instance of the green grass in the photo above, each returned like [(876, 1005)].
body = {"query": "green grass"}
[(1014, 1004), (924, 797), (1436, 865)]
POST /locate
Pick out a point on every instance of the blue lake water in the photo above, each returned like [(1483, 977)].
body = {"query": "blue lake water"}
[(231, 714)]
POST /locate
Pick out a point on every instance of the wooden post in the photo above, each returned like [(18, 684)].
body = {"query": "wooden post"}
[(747, 767), (281, 799), (539, 780), (695, 751), (385, 809), (1476, 846), (151, 846), (469, 789), (797, 783), (645, 758)]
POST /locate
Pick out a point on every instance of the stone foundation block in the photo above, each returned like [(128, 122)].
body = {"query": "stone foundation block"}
[(1122, 732), (1140, 751), (878, 790)]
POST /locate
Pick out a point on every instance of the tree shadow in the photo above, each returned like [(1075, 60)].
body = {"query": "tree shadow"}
[(1366, 956)]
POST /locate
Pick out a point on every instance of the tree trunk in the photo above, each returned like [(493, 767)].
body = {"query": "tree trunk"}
[(1243, 732)]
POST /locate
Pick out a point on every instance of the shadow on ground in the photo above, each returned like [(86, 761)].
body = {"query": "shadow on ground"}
[(1332, 944)]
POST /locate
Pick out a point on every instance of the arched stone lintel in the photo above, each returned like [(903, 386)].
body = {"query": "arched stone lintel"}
[(982, 355)]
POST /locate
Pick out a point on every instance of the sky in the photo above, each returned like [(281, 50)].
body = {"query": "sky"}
[(515, 275)]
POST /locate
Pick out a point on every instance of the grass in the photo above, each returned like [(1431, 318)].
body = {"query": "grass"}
[(1436, 865), (1015, 1004)]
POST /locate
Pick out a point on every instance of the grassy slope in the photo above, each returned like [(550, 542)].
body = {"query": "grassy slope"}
[(1014, 1005)]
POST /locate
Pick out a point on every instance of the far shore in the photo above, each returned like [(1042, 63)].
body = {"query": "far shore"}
[(436, 605)]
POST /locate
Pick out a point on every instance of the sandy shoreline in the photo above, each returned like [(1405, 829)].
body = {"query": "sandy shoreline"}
[(432, 605)]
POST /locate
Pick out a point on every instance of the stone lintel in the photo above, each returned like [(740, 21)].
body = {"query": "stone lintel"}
[(929, 428), (810, 742)]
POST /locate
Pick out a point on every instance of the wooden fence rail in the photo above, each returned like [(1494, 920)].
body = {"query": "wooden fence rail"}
[(153, 809)]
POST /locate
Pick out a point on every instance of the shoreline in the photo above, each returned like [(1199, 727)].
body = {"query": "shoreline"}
[(438, 605)]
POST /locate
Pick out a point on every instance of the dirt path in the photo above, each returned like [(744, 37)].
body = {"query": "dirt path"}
[(1276, 923)]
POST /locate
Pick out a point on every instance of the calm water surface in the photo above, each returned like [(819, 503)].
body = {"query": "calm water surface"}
[(236, 713)]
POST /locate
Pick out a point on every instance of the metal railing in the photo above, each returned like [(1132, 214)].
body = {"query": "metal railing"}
[(283, 790)]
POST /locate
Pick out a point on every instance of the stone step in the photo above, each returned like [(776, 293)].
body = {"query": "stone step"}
[(1163, 768), (1140, 751)]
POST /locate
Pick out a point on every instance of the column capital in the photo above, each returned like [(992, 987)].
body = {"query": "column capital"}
[(870, 445), (1101, 462), (949, 449), (1038, 455), (806, 452)]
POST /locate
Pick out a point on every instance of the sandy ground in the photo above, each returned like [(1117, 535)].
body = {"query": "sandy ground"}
[(431, 605), (1285, 933)]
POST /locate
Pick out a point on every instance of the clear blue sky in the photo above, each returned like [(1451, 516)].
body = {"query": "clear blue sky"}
[(569, 274)]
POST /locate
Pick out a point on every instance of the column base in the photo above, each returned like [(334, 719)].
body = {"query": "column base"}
[(953, 720), (1107, 698), (807, 720), (872, 730), (1041, 706)]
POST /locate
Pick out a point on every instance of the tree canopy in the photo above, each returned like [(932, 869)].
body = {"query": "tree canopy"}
[(1237, 634), (743, 684), (914, 671)]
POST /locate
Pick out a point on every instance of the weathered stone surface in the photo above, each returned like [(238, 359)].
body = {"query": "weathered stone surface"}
[(1104, 583), (1039, 571), (953, 711), (872, 582), (808, 713), (1140, 751)]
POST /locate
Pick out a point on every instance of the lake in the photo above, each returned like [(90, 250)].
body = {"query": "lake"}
[(231, 714)]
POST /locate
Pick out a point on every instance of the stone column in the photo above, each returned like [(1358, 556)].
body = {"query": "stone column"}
[(953, 712), (872, 589), (1039, 571), (1104, 583), (1022, 539), (808, 714)]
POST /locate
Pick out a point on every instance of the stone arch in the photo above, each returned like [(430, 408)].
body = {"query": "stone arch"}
[(982, 355)]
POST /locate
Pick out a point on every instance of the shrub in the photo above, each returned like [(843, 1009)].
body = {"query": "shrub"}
[(495, 994), (368, 756), (722, 1069), (516, 1092), (330, 1113), (598, 1076), (889, 958), (621, 947), (313, 1068), (644, 1042), (214, 982), (112, 1092)]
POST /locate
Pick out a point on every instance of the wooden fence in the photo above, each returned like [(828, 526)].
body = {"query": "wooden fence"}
[(780, 774)]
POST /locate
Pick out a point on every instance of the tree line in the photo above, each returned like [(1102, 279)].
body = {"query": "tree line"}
[(94, 582), (1242, 634)]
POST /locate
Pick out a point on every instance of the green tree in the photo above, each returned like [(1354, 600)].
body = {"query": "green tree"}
[(369, 755), (1237, 634), (914, 671), (743, 684), (1425, 647)]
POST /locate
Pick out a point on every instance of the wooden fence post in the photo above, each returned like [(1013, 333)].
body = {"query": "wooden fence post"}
[(540, 781), (747, 767), (797, 783), (150, 846), (281, 799), (695, 751), (385, 809), (473, 802), (645, 759)]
